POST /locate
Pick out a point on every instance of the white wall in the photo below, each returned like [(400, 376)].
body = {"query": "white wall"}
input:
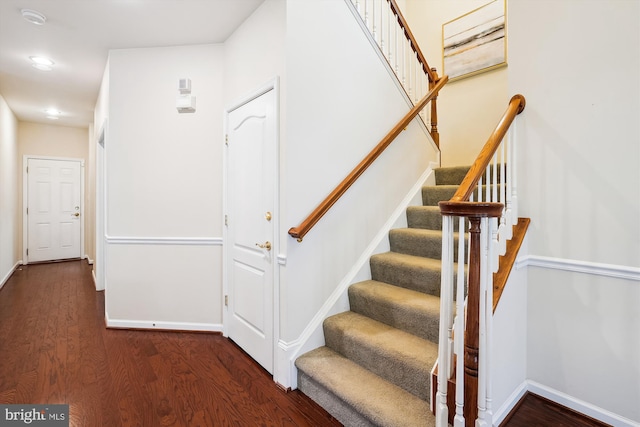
[(468, 108), (164, 193), (340, 103), (581, 188), (9, 251)]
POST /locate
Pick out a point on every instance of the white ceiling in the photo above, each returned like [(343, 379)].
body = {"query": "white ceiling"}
[(78, 35)]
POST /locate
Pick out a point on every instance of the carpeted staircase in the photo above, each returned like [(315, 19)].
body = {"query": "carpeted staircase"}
[(375, 367)]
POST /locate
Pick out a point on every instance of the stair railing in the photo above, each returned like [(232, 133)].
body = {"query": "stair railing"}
[(492, 181), (390, 32), (305, 226)]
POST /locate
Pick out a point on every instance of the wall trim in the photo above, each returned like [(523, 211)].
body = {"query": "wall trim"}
[(162, 325), (578, 405), (511, 402), (10, 273), (134, 240), (587, 267)]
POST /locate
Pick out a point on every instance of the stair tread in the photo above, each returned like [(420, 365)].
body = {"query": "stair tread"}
[(395, 355), (379, 401), (412, 311)]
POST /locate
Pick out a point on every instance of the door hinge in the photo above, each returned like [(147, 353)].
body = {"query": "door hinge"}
[(27, 169), (226, 300), (226, 220), (27, 251), (27, 210), (226, 140)]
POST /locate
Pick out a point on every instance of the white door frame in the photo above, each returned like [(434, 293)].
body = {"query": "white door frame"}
[(274, 85), (25, 195), (101, 209)]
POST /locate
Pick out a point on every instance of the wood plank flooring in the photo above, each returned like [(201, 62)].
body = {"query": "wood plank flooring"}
[(536, 411), (54, 348)]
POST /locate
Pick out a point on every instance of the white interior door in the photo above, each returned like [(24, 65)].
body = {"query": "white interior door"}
[(249, 257), (53, 209)]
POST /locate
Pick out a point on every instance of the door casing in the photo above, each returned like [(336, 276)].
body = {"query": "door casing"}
[(25, 195)]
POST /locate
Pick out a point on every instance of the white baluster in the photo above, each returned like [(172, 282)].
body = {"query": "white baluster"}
[(480, 190), (485, 244), (505, 231), (514, 176), (395, 42), (489, 339), (446, 315), (458, 420)]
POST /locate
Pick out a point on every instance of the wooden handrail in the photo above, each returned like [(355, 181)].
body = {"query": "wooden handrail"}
[(433, 77), (467, 187), (300, 231)]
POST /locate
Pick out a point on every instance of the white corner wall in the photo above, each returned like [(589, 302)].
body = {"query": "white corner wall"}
[(9, 210), (469, 108), (163, 189), (580, 185), (340, 103)]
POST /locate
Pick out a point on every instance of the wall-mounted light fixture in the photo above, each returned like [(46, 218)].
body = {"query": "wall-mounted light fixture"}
[(185, 102)]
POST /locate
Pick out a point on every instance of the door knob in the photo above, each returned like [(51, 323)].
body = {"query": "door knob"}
[(76, 214), (266, 245), (267, 216)]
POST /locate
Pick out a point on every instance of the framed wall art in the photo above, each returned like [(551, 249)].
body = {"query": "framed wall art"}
[(475, 42)]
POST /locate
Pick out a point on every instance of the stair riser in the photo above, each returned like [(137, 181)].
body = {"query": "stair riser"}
[(431, 195), (418, 245), (422, 218), (410, 374), (423, 323), (455, 175), (331, 403), (411, 277)]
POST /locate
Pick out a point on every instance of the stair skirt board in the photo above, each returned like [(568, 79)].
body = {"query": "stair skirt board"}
[(375, 366)]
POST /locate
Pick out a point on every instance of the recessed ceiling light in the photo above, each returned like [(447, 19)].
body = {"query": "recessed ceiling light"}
[(52, 112), (41, 60), (33, 16), (53, 117), (41, 63)]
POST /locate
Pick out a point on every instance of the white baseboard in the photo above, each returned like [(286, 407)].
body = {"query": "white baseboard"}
[(563, 399), (8, 275), (580, 405), (166, 326), (89, 260), (502, 412)]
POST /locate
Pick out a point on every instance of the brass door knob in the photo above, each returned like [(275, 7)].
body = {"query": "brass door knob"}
[(76, 214), (267, 216), (266, 245)]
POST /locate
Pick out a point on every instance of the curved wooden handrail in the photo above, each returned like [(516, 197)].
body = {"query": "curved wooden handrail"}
[(300, 231), (433, 77), (467, 187)]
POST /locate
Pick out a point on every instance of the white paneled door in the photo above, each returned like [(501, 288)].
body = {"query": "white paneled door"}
[(53, 209), (249, 257)]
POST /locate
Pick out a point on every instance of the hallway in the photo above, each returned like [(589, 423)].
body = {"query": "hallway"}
[(54, 348)]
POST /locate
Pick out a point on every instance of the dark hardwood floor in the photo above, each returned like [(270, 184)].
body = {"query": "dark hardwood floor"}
[(536, 411), (54, 348)]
